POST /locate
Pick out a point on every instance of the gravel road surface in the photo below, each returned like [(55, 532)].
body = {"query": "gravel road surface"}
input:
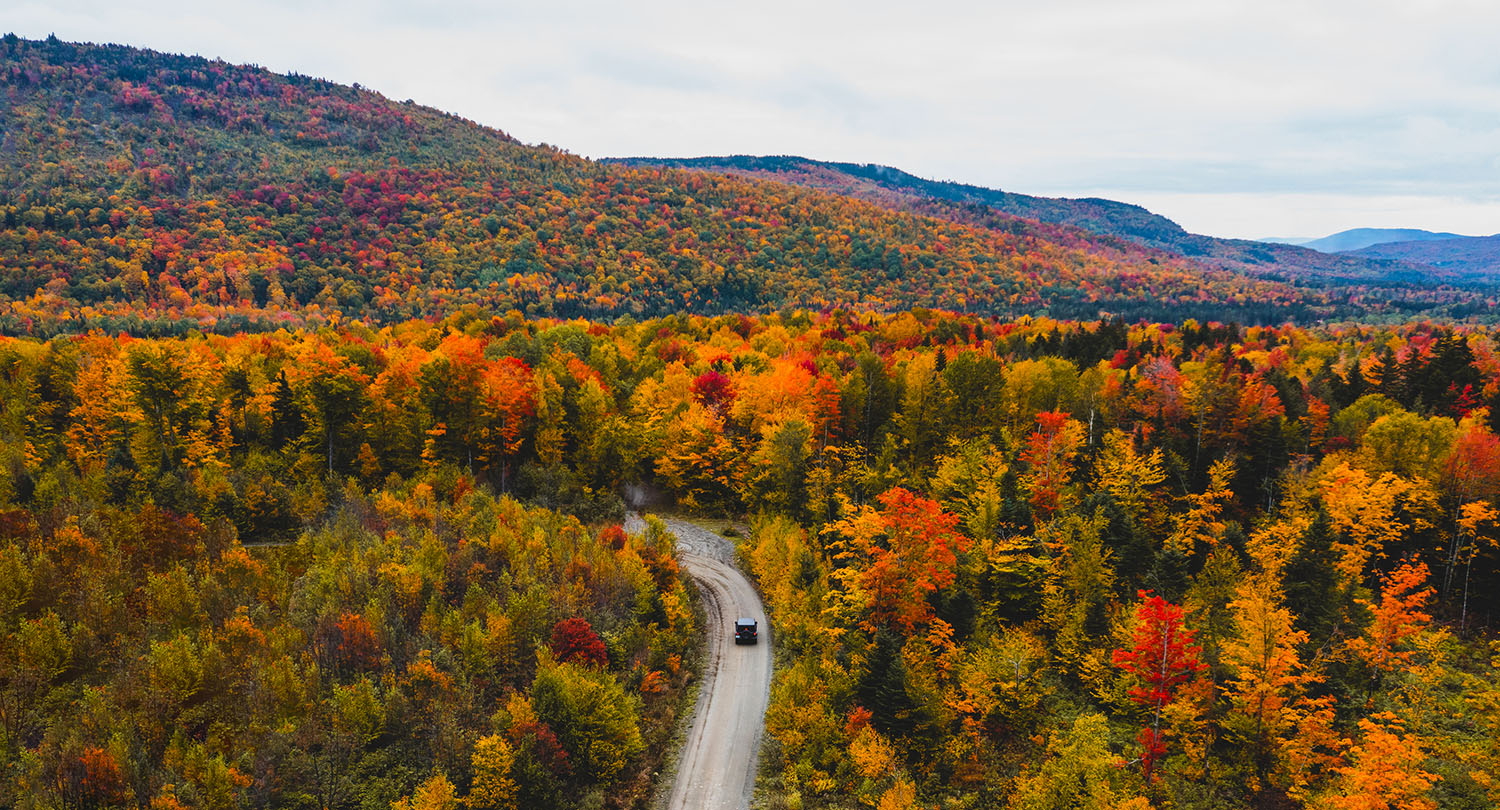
[(717, 768)]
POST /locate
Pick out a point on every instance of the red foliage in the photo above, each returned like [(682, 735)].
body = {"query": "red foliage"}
[(1164, 657), (574, 640), (1049, 450), (91, 779), (918, 557), (613, 536), (713, 389), (161, 537), (541, 742), (358, 647)]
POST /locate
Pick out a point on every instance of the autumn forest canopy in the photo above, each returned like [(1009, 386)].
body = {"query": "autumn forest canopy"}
[(319, 414)]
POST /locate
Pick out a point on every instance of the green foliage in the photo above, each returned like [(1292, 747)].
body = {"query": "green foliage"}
[(338, 669)]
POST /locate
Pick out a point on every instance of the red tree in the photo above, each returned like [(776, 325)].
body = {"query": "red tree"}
[(1164, 657), (712, 389), (575, 640), (912, 547), (358, 646), (91, 779)]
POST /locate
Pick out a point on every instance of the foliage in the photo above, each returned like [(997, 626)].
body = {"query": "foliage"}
[(154, 193)]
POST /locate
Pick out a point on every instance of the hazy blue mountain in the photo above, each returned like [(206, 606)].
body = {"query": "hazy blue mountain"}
[(1357, 238)]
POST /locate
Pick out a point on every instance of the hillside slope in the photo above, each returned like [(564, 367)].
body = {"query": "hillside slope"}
[(151, 193), (1469, 256), (896, 188)]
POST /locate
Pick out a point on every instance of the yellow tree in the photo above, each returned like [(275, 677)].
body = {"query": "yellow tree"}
[(437, 793), (1079, 771), (493, 787), (1127, 474), (1364, 511), (1200, 524), (1273, 716)]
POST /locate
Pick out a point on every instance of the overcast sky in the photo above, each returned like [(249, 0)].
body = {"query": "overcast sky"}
[(1249, 118)]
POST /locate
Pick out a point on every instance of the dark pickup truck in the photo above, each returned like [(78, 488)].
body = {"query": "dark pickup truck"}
[(745, 631)]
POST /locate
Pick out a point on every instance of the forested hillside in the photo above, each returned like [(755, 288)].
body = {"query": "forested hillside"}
[(1472, 256), (154, 193), (961, 202), (1009, 564), (318, 412)]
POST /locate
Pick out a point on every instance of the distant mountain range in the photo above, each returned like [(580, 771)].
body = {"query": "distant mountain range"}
[(967, 203), (1470, 256), (1357, 238)]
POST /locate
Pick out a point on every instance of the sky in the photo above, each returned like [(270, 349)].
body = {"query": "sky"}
[(1242, 118)]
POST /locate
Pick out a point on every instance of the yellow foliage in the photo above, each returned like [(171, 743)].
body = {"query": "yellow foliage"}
[(1127, 474), (873, 757), (437, 793), (900, 796), (492, 788), (1364, 510)]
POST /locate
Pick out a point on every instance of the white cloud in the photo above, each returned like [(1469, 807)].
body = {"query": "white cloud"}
[(1352, 108)]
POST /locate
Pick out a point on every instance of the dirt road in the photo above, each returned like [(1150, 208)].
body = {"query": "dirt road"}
[(717, 767)]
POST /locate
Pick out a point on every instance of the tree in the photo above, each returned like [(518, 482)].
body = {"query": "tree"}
[(90, 779), (781, 460), (1368, 513), (509, 401), (1273, 713), (596, 721), (493, 787), (437, 793), (882, 687), (1385, 770), (1201, 525), (1164, 657), (1399, 616), (574, 640), (1049, 453), (1127, 474), (1472, 476), (335, 392), (896, 557), (1078, 772)]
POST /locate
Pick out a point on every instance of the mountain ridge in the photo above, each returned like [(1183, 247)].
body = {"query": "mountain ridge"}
[(144, 191), (1095, 214), (1355, 239), (1472, 256), (156, 193)]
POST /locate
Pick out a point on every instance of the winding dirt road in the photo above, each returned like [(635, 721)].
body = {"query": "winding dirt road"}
[(717, 768)]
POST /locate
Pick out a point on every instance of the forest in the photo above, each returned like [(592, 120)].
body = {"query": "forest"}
[(153, 194), (319, 413), (1010, 563)]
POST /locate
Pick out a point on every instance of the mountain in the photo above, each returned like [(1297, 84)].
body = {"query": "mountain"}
[(1352, 240), (1468, 256), (897, 189), (143, 191), (155, 193)]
